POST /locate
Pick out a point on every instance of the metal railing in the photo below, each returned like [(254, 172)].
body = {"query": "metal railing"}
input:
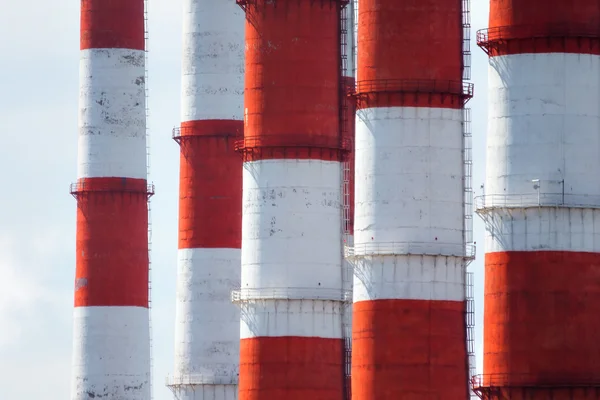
[(291, 141), (488, 37), (459, 88), (410, 248), (175, 380), (179, 132), (245, 3), (112, 185), (481, 382), (492, 201), (241, 295)]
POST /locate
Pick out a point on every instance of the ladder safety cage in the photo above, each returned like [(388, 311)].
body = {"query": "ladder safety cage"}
[(150, 333), (466, 42), (468, 177), (470, 328), (346, 23)]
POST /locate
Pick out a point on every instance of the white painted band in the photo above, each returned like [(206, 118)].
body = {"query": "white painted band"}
[(291, 225), (543, 125), (213, 60), (543, 229), (303, 318), (409, 278), (111, 353), (112, 114), (207, 323), (409, 176)]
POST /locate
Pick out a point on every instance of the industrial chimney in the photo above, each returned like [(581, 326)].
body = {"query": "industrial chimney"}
[(542, 201), (207, 331), (111, 338), (411, 227), (291, 292)]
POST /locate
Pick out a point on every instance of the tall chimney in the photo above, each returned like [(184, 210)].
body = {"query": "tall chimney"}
[(207, 331), (111, 339), (291, 288), (410, 233), (542, 201)]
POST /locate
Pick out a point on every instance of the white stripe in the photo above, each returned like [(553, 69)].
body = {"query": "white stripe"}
[(543, 229), (409, 277), (543, 124), (409, 176), (291, 225), (304, 318), (112, 114), (111, 353), (207, 322), (213, 60)]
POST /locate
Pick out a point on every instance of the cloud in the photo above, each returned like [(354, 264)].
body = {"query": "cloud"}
[(35, 316)]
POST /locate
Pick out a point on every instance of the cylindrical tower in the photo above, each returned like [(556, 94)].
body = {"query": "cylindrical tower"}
[(542, 201), (207, 332), (291, 293), (111, 349), (409, 255), (347, 124)]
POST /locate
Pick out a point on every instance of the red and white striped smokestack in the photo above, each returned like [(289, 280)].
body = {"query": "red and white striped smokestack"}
[(292, 294), (207, 332), (542, 200), (111, 349), (409, 333)]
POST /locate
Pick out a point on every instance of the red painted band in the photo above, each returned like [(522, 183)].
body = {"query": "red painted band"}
[(112, 245), (291, 368), (212, 127), (292, 85), (299, 147), (409, 349), (412, 93), (542, 26), (529, 39), (541, 317), (410, 39), (129, 185), (544, 12), (112, 24), (210, 192)]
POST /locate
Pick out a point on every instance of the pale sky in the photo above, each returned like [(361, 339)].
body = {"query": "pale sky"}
[(38, 160)]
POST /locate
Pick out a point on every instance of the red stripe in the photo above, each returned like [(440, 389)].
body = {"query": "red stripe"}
[(410, 40), (541, 319), (212, 127), (292, 84), (210, 186), (409, 349), (112, 243), (544, 26), (291, 368), (112, 24), (350, 133)]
